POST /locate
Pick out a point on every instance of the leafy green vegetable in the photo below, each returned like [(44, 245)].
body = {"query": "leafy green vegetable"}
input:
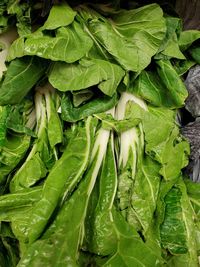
[(170, 78), (70, 44), (66, 181), (71, 77), (168, 143), (179, 215), (96, 105), (161, 87), (21, 76), (60, 15), (195, 53), (91, 155), (69, 240), (130, 39), (4, 111), (40, 158), (187, 38), (12, 153), (170, 46)]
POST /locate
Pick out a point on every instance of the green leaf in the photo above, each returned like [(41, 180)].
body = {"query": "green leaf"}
[(109, 123), (21, 76), (81, 97), (31, 171), (100, 237), (66, 180), (4, 111), (181, 217), (69, 240), (172, 82), (173, 154), (169, 46), (161, 87), (70, 44), (195, 53), (97, 105), (42, 155), (21, 118), (183, 66), (70, 77), (131, 251), (12, 152), (24, 198), (54, 128), (173, 230), (168, 148), (187, 38), (134, 34), (59, 16), (149, 87), (144, 194), (22, 11)]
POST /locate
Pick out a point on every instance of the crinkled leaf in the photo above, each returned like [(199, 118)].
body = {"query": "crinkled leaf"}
[(182, 218), (144, 194)]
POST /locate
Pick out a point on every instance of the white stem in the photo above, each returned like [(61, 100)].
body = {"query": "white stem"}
[(6, 38), (121, 107)]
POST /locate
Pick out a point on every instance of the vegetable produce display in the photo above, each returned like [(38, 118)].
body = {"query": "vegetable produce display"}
[(92, 159)]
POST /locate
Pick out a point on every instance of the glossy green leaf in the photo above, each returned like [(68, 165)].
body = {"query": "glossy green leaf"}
[(12, 153), (131, 251), (70, 44), (21, 76), (66, 177), (24, 198), (60, 231), (181, 217), (100, 237)]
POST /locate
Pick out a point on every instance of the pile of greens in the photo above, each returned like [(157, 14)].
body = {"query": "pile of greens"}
[(91, 156)]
